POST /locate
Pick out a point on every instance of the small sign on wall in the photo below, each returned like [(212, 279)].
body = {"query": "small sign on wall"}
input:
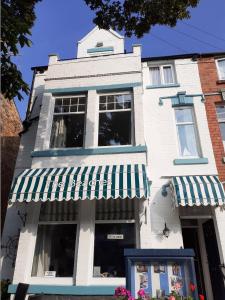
[(50, 273), (115, 236)]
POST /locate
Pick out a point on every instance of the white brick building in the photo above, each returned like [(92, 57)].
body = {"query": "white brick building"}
[(128, 116)]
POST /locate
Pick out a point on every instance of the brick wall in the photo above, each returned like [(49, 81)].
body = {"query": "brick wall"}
[(10, 126), (211, 84)]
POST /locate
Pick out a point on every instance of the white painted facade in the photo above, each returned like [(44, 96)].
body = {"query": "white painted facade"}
[(154, 126)]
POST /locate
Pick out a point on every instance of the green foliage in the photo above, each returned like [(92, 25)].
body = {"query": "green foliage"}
[(138, 16), (18, 18)]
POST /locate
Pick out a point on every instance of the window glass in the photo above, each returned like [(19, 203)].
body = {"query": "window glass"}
[(168, 74), (68, 122), (115, 120), (186, 132), (155, 75), (55, 243), (162, 74), (110, 242), (221, 65), (220, 110), (49, 253)]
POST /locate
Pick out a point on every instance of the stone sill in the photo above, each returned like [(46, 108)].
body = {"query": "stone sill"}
[(191, 161)]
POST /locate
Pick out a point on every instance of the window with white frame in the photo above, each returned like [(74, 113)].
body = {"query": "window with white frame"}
[(115, 119), (68, 122), (187, 132), (220, 111), (56, 237), (221, 68), (162, 75), (114, 231)]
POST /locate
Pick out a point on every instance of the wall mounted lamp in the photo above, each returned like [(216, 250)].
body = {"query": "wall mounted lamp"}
[(166, 231)]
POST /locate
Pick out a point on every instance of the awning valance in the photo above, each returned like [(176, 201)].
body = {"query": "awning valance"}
[(88, 182), (198, 190)]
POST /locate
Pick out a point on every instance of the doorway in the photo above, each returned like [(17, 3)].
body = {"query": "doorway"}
[(191, 240), (212, 251)]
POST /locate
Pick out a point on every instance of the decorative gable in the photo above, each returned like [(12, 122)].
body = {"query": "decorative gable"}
[(100, 42)]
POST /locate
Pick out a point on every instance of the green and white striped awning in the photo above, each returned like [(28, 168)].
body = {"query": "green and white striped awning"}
[(198, 190), (89, 182)]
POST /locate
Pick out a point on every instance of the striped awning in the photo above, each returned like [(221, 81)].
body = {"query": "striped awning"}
[(88, 182), (198, 190)]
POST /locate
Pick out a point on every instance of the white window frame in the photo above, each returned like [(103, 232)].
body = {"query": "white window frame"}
[(118, 110), (221, 120), (55, 280), (70, 113), (194, 123), (218, 69), (162, 79)]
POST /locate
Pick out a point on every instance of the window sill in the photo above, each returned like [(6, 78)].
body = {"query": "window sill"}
[(191, 161), (220, 81), (66, 289), (162, 86), (89, 151)]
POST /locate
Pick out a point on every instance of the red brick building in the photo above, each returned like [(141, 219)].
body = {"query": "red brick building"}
[(10, 126), (212, 76)]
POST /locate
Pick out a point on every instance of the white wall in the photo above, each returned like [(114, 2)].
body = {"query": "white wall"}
[(108, 38), (162, 144)]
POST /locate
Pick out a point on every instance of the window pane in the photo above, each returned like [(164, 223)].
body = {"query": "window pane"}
[(67, 131), (102, 106), (102, 99), (74, 101), (108, 252), (82, 100), (73, 108), (187, 139), (111, 106), (222, 130), (66, 101), (49, 253), (114, 128), (58, 101), (220, 110), (183, 115), (168, 74), (221, 64), (155, 76)]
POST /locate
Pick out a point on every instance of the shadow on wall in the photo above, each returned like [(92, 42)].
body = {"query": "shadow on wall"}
[(162, 212)]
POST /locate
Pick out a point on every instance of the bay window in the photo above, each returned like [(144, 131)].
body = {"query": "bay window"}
[(115, 119), (220, 111), (186, 132), (161, 75), (68, 122), (114, 231), (56, 238)]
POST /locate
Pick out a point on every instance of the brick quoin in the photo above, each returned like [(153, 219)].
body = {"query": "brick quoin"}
[(211, 84)]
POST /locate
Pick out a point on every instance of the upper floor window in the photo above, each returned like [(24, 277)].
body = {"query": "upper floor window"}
[(186, 132), (220, 111), (115, 119), (221, 68), (162, 75), (68, 122)]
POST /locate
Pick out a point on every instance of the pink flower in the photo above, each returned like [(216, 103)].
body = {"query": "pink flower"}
[(122, 291), (172, 298), (131, 298), (141, 293)]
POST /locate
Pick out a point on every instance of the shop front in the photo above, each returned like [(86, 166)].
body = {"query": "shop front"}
[(77, 247)]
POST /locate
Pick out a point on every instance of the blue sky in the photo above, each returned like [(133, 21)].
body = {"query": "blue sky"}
[(60, 24)]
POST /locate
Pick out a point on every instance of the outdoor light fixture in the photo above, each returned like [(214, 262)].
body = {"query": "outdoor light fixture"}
[(166, 231)]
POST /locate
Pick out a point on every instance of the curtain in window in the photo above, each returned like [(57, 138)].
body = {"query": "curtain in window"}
[(42, 252), (58, 137), (168, 75), (155, 76), (221, 64), (188, 145)]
